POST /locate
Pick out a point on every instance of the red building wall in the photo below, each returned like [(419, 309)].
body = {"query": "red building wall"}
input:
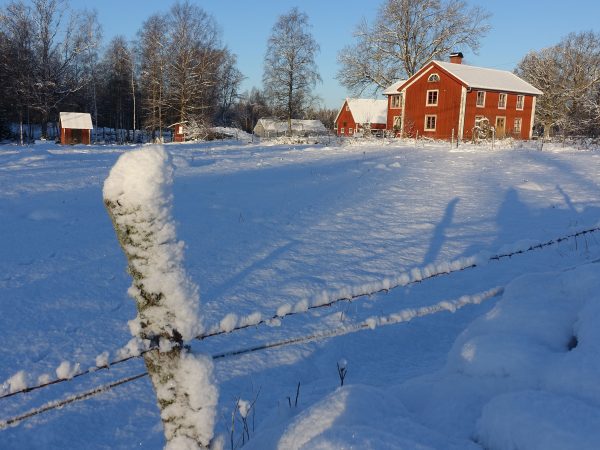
[(70, 136), (345, 121), (491, 111), (447, 110), (392, 113)]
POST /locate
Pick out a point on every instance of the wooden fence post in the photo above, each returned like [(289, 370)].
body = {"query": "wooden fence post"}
[(137, 195)]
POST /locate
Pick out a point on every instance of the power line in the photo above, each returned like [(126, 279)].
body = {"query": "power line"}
[(497, 257)]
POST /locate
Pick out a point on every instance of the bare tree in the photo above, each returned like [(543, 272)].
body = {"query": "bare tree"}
[(405, 35), (153, 61), (569, 75), (18, 61), (118, 90), (229, 80), (60, 38), (193, 56), (290, 71)]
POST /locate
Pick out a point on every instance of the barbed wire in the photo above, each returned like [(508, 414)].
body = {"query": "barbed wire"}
[(348, 298), (405, 315), (72, 399)]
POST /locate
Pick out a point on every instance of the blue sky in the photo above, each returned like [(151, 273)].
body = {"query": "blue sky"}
[(517, 27)]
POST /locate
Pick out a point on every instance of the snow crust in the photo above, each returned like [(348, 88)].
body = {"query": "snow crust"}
[(140, 184)]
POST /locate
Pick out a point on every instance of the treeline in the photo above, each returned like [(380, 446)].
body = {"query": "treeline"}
[(52, 59), (568, 74)]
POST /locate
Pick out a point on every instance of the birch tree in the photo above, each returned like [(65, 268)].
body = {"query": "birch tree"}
[(193, 44), (407, 34), (153, 62), (290, 72)]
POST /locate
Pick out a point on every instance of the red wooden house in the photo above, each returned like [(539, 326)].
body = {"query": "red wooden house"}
[(75, 128), (444, 99), (359, 113)]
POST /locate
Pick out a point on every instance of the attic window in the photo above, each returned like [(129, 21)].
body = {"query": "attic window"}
[(395, 101), (433, 78), (347, 108)]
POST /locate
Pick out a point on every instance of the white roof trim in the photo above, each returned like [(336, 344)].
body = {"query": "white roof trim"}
[(76, 120), (393, 89)]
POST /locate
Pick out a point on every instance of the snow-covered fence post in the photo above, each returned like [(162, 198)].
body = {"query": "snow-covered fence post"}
[(138, 197)]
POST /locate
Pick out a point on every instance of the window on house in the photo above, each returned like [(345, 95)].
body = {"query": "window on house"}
[(430, 122), (347, 108), (396, 101), (502, 101), (342, 130), (480, 99), (180, 129), (432, 98), (517, 125), (397, 122), (434, 77), (520, 101), (350, 130)]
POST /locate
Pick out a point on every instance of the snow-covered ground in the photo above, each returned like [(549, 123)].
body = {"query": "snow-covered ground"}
[(277, 228)]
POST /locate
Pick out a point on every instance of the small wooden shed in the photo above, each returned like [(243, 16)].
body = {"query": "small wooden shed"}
[(75, 128), (179, 131)]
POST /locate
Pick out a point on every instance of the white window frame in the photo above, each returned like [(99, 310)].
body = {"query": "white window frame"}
[(427, 116), (433, 78), (397, 122), (342, 130), (347, 108), (350, 130), (396, 101), (522, 102), (437, 97), (477, 99), (502, 95), (518, 120)]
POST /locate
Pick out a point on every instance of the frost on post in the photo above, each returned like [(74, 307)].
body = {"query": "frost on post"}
[(138, 197)]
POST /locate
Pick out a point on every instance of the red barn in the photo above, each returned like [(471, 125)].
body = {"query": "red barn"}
[(444, 99), (359, 113), (75, 128)]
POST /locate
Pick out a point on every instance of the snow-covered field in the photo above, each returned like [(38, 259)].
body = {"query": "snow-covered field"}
[(272, 229)]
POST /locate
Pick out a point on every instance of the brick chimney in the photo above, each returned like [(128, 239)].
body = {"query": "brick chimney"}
[(456, 58)]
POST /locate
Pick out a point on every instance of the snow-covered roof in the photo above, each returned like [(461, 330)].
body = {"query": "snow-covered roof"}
[(281, 126), (393, 89), (367, 110), (483, 78), (76, 120)]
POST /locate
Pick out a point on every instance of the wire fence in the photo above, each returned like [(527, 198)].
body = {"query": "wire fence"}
[(368, 324), (316, 336), (328, 304)]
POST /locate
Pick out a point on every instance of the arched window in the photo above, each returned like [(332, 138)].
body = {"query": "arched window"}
[(434, 77)]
